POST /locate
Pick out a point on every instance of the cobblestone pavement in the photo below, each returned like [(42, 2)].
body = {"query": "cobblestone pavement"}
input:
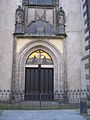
[(41, 115)]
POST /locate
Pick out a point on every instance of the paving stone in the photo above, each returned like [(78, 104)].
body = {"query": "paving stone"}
[(41, 115)]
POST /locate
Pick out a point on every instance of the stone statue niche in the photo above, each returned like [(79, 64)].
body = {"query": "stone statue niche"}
[(19, 19), (60, 25)]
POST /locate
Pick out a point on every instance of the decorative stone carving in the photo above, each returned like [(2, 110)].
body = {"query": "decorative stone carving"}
[(19, 26), (61, 16), (19, 15), (57, 2), (24, 2), (60, 25)]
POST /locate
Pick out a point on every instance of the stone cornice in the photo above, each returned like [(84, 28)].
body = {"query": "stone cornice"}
[(37, 5), (43, 37)]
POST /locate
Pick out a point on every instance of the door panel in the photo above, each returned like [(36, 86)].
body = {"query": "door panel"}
[(38, 80), (32, 80), (42, 80), (50, 80), (46, 80)]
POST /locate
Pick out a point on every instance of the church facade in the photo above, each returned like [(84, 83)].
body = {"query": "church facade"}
[(41, 45)]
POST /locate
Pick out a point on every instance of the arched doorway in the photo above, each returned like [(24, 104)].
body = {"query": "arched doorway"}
[(39, 75), (21, 66)]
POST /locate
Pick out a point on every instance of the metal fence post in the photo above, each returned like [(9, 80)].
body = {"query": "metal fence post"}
[(40, 100), (83, 106)]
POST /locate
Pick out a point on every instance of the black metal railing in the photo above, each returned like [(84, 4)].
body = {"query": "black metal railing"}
[(20, 100)]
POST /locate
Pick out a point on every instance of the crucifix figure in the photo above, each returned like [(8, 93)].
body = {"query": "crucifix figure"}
[(39, 59)]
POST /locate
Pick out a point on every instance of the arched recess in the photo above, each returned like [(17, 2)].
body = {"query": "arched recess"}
[(55, 54), (40, 27)]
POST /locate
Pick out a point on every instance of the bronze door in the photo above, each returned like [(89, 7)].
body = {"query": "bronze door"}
[(38, 81)]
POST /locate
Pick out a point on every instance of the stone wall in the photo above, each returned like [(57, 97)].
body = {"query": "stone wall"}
[(73, 42), (7, 21)]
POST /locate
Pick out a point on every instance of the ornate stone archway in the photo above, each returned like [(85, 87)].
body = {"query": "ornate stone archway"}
[(55, 54)]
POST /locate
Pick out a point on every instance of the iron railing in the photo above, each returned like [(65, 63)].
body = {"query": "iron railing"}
[(20, 100)]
